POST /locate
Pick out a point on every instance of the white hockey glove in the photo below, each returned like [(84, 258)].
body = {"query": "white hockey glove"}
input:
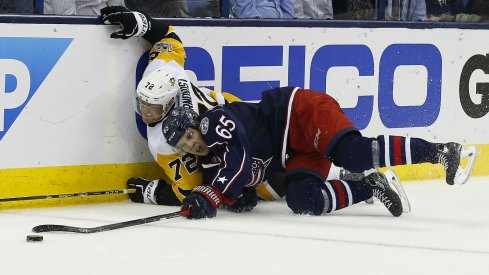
[(131, 23)]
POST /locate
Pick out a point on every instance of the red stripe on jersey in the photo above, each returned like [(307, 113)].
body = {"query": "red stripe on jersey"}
[(238, 173), (341, 194), (397, 150)]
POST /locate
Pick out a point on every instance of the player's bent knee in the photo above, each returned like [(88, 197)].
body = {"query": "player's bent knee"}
[(307, 196)]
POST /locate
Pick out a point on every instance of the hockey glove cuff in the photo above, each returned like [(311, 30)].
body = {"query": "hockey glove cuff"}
[(146, 190), (202, 202)]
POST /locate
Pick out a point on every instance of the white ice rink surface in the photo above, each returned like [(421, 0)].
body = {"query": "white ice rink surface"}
[(447, 232)]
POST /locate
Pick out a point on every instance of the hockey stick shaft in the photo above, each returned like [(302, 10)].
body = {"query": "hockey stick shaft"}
[(69, 195), (74, 229)]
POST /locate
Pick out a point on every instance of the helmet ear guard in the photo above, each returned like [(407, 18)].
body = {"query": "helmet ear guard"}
[(177, 122), (158, 87)]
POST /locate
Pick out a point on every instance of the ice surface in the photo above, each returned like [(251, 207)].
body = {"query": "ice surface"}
[(446, 233)]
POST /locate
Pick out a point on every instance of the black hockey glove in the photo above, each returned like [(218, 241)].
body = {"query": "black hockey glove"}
[(245, 202), (202, 202), (146, 190), (132, 23)]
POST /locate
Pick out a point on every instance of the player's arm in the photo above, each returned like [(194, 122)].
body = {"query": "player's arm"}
[(226, 135), (158, 33), (168, 49)]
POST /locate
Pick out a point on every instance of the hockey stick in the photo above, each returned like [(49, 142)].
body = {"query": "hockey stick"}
[(70, 195), (74, 229)]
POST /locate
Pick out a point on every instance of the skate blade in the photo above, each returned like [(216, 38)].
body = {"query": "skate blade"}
[(370, 201), (463, 174), (393, 179)]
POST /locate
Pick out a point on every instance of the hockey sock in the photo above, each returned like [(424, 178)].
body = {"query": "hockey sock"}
[(398, 150), (307, 194), (342, 194), (358, 154)]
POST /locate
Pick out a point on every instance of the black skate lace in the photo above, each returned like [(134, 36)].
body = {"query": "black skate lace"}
[(382, 197)]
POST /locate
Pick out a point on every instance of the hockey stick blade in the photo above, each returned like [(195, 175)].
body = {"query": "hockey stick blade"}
[(84, 230)]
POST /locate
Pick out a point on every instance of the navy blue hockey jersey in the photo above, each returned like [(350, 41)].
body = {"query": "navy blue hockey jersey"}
[(247, 141)]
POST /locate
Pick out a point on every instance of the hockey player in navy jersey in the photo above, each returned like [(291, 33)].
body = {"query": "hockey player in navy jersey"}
[(298, 131)]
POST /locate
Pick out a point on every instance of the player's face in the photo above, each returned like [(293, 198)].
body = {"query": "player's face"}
[(151, 113), (193, 142)]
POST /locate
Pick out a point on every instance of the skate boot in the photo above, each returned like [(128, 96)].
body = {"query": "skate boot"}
[(382, 191), (449, 155)]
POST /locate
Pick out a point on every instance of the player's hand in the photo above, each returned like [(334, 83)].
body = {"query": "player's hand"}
[(245, 202), (131, 23), (202, 202), (146, 190)]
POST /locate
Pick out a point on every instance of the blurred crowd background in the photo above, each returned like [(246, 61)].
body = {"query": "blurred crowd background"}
[(470, 11)]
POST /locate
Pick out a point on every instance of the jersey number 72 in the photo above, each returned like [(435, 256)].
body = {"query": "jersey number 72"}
[(190, 164)]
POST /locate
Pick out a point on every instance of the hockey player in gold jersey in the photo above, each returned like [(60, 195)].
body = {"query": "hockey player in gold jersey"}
[(166, 85)]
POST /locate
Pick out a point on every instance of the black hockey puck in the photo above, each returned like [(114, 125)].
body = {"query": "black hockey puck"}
[(34, 238)]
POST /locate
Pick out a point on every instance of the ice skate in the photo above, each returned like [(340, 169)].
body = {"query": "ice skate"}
[(450, 154), (393, 180), (382, 191)]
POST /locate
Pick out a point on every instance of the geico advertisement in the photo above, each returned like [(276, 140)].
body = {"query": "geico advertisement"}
[(65, 90), (431, 83)]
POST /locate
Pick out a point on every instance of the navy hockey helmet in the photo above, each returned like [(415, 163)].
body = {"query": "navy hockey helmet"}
[(177, 122)]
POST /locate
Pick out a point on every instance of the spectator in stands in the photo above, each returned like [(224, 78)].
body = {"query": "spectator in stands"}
[(261, 9), (406, 10), (481, 8), (176, 8), (78, 7), (17, 6), (311, 9), (204, 8), (413, 10), (161, 8), (355, 9), (452, 10)]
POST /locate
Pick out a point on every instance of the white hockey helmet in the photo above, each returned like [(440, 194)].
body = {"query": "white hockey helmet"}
[(158, 87)]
